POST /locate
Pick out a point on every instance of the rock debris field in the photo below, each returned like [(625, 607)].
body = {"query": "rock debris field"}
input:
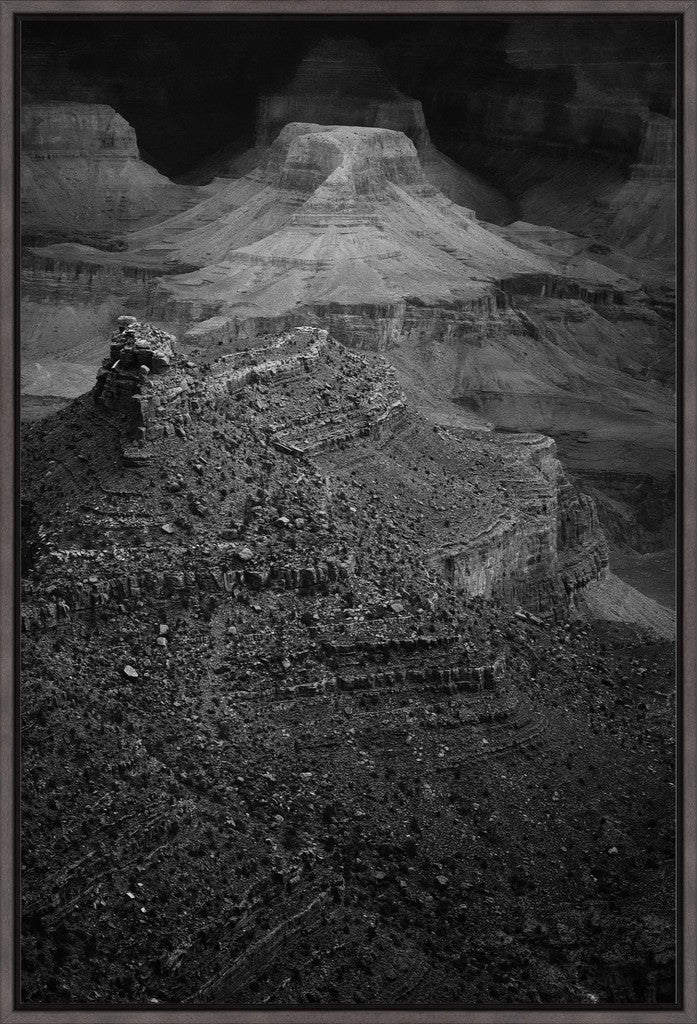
[(314, 709)]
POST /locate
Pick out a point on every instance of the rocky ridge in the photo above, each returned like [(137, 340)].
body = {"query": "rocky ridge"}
[(522, 533), (308, 641)]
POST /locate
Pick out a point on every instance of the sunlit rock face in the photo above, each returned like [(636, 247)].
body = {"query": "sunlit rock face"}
[(52, 130), (335, 218), (83, 178)]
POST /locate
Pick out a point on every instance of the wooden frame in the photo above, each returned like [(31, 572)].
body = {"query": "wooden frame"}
[(686, 11)]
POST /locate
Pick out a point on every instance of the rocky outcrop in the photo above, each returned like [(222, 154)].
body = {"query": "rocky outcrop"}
[(126, 384), (542, 558), (523, 534)]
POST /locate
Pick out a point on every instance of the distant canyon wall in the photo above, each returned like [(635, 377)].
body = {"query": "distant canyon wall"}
[(82, 176)]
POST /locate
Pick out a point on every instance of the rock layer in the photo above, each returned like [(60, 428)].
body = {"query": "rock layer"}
[(83, 178), (521, 533), (341, 82), (339, 227)]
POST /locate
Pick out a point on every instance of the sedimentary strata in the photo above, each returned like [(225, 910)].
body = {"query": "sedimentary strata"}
[(328, 663), (83, 177)]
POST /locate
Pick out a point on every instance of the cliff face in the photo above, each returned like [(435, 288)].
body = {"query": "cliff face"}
[(543, 559), (52, 130), (604, 168), (562, 118), (82, 176)]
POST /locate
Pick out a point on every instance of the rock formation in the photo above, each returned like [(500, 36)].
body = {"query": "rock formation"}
[(262, 595), (352, 205), (308, 644), (586, 143), (339, 227), (520, 532), (341, 82), (83, 178)]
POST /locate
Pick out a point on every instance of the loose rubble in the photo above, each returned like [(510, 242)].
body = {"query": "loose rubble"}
[(310, 710)]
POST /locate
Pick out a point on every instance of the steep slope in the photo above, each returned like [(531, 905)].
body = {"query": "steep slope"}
[(83, 178), (273, 614)]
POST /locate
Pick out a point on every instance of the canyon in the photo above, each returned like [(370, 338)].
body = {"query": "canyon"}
[(348, 506), (520, 326)]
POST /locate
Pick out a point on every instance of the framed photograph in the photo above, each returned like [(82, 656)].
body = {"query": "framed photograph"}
[(348, 555)]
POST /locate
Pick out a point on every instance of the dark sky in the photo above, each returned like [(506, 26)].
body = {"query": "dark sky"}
[(190, 86)]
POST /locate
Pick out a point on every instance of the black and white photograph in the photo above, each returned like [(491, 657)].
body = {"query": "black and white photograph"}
[(349, 449)]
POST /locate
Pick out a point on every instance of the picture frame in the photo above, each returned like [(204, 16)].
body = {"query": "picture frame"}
[(685, 12)]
